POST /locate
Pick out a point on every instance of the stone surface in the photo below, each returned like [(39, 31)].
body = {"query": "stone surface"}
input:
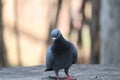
[(79, 72)]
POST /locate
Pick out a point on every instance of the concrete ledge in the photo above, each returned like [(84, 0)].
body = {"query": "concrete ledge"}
[(79, 72)]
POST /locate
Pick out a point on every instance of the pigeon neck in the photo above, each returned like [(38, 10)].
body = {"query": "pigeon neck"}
[(61, 43), (60, 40)]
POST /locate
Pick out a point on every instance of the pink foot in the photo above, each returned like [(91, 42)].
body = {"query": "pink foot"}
[(57, 78), (70, 78)]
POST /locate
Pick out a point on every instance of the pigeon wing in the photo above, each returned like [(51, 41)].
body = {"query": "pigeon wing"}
[(49, 59), (74, 52)]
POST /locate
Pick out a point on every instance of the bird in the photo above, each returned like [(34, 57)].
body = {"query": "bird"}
[(61, 54)]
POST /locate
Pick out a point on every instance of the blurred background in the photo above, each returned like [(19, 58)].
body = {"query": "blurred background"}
[(92, 25)]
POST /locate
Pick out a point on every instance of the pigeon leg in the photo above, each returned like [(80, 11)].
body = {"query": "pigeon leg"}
[(66, 72), (57, 76)]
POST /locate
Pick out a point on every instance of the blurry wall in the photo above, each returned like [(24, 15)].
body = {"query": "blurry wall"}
[(27, 24)]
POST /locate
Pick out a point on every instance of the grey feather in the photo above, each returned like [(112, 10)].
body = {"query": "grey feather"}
[(49, 59)]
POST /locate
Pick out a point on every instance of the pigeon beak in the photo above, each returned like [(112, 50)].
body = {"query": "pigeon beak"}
[(54, 38)]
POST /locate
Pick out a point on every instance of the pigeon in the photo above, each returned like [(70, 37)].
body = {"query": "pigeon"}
[(61, 54)]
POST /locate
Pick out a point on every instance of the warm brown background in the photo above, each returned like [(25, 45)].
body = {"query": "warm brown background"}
[(27, 25), (92, 25)]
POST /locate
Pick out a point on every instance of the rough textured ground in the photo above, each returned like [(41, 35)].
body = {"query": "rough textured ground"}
[(79, 72)]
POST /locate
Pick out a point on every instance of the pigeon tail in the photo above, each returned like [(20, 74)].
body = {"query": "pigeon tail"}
[(49, 69)]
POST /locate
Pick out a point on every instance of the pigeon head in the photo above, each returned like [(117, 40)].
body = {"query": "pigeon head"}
[(56, 34)]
